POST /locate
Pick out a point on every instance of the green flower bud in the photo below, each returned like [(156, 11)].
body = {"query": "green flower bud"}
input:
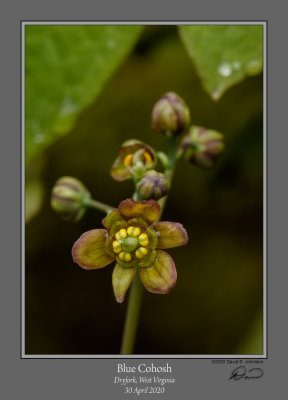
[(153, 185), (170, 115), (138, 170), (68, 198), (202, 147)]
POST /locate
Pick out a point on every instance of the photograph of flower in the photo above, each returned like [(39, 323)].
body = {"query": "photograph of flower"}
[(144, 187)]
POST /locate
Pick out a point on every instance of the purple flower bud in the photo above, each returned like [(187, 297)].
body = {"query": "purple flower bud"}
[(153, 185), (170, 115), (202, 147), (68, 198)]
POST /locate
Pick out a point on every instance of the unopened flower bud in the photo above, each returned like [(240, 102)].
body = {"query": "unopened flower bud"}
[(202, 147), (68, 198), (153, 185), (138, 170), (170, 115)]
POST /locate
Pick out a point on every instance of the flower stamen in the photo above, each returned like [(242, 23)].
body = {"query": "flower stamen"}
[(141, 252), (122, 234), (133, 231), (147, 158), (128, 160), (125, 256), (143, 239), (117, 248)]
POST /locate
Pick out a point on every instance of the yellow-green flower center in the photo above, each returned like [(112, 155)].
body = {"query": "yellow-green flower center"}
[(128, 160), (129, 242)]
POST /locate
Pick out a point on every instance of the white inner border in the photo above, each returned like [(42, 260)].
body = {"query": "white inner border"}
[(138, 356)]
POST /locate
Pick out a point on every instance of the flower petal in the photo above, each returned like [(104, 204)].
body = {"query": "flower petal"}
[(114, 222), (161, 276), (138, 222), (171, 234), (148, 210), (148, 260), (121, 281), (126, 264), (111, 218), (119, 171), (89, 250), (153, 238)]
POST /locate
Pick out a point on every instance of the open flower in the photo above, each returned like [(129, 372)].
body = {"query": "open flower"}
[(132, 154), (134, 239)]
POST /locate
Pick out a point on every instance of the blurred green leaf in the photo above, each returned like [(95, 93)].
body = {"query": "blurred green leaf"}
[(34, 196), (223, 54), (66, 68), (34, 188)]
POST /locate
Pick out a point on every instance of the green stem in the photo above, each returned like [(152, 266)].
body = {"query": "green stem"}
[(172, 153), (132, 316), (98, 205), (136, 195), (136, 291)]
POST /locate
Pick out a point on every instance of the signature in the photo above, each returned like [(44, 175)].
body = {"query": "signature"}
[(242, 372)]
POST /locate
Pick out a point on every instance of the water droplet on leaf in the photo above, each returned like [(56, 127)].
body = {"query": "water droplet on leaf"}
[(68, 107), (225, 69), (236, 65), (216, 95)]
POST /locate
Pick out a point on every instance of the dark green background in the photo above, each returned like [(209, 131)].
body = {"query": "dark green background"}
[(216, 305)]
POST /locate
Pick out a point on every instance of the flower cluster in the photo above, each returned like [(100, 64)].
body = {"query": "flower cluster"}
[(135, 240), (132, 235)]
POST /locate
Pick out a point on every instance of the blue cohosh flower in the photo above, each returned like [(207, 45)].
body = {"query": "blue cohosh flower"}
[(133, 155), (135, 241)]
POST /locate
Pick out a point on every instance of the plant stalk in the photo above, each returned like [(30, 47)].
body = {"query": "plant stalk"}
[(132, 316), (98, 205), (136, 291)]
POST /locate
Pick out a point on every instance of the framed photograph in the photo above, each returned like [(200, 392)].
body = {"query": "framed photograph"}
[(161, 129)]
